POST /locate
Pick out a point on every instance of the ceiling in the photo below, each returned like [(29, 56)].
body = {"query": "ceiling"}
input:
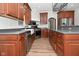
[(71, 6), (49, 6), (41, 6)]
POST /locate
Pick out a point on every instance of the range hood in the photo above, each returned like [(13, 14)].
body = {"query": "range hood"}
[(59, 6)]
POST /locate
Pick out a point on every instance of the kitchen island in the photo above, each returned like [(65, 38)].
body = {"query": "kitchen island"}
[(15, 42), (65, 42)]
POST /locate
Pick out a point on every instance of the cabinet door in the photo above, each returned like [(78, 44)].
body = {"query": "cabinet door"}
[(27, 13), (59, 51), (20, 11), (71, 48), (3, 8), (9, 49), (43, 18), (44, 33), (13, 9), (27, 16)]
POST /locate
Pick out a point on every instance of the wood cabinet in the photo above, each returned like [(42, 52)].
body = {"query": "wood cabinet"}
[(27, 14), (3, 8), (31, 39), (72, 48), (13, 9), (0, 8), (64, 44), (65, 14), (15, 44), (65, 18), (43, 18), (8, 48), (12, 45), (21, 11), (44, 33)]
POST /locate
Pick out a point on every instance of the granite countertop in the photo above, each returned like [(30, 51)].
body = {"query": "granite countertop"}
[(14, 31), (67, 31)]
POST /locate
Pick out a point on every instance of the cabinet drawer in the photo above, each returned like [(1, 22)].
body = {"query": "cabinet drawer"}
[(8, 37)]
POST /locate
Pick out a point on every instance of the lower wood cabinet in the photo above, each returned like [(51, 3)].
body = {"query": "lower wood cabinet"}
[(59, 51), (8, 48), (64, 44), (72, 48), (44, 33), (14, 44)]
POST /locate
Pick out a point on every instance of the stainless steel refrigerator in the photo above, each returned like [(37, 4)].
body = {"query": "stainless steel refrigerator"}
[(52, 23)]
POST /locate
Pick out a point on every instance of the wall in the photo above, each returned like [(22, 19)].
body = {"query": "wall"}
[(9, 23), (36, 16), (76, 17)]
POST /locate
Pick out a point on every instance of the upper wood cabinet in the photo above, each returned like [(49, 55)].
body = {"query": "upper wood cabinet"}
[(27, 14), (20, 11), (3, 8), (13, 9), (43, 18), (0, 8), (66, 14), (65, 18)]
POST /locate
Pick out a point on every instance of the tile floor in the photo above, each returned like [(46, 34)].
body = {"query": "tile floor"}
[(41, 47)]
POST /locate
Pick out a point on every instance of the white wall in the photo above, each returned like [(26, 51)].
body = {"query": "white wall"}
[(76, 17), (8, 23), (36, 16)]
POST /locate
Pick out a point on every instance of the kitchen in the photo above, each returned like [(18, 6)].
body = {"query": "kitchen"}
[(38, 26)]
